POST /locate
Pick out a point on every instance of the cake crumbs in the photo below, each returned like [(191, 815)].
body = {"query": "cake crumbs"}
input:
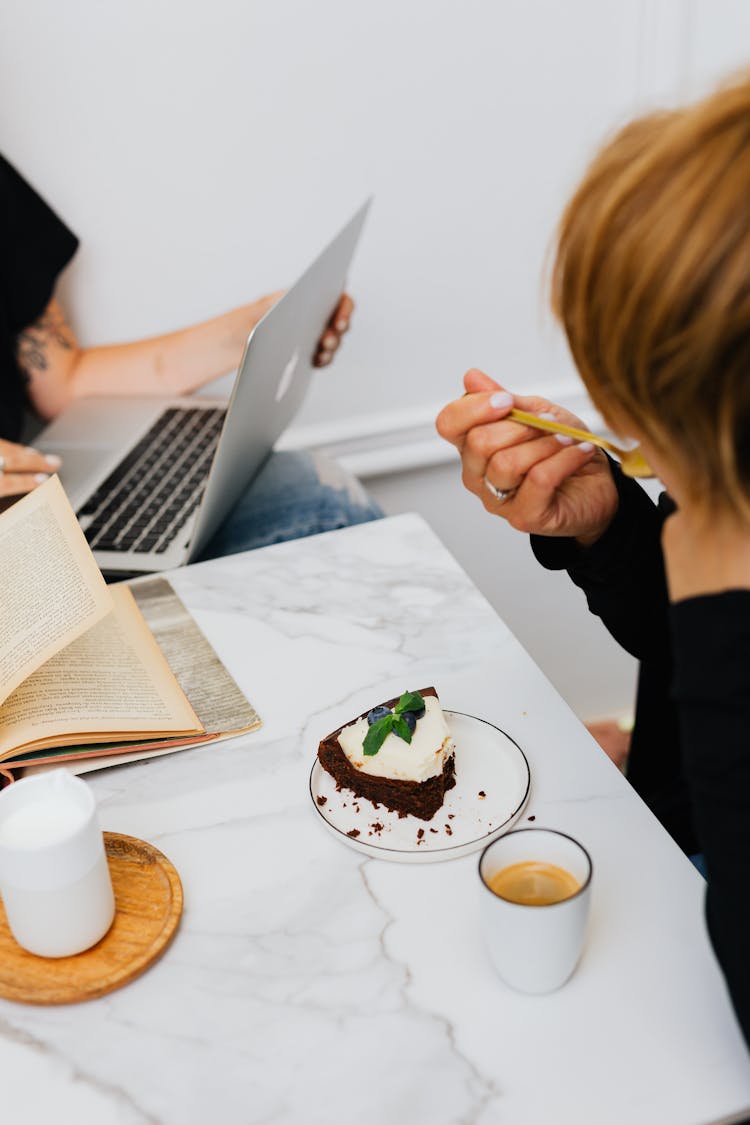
[(322, 801), (420, 835), (448, 830), (377, 827), (531, 818), (481, 794), (434, 830), (353, 832), (450, 816)]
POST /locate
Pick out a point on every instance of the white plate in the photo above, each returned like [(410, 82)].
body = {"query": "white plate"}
[(491, 791)]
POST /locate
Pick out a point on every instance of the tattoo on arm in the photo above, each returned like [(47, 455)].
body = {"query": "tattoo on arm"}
[(34, 342)]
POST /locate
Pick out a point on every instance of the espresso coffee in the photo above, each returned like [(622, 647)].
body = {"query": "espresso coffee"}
[(533, 883)]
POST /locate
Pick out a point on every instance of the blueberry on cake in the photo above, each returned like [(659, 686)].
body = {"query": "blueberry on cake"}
[(399, 754)]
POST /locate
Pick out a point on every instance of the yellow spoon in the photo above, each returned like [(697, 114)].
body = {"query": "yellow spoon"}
[(632, 461)]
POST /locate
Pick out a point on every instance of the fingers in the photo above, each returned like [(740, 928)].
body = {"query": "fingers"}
[(533, 404), (327, 347), (25, 459), (329, 341), (476, 380), (536, 492), (486, 400), (12, 484), (24, 468), (460, 417), (331, 338), (521, 473), (508, 468), (501, 444), (514, 458), (342, 314)]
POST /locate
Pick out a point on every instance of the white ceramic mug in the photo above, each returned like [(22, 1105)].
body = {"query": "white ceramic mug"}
[(535, 948), (54, 877)]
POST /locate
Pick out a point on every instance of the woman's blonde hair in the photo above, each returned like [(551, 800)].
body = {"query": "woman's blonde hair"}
[(651, 282)]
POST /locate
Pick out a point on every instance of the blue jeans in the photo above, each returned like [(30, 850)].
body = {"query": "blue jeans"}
[(294, 495), (699, 861)]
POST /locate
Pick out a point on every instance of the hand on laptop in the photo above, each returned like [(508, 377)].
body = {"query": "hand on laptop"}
[(58, 370), (22, 468), (335, 329)]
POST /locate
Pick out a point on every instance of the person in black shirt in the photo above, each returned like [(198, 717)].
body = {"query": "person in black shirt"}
[(43, 367), (652, 284)]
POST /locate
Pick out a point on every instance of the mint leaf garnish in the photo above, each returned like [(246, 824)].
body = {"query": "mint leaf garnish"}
[(410, 701), (401, 728), (393, 721), (378, 733)]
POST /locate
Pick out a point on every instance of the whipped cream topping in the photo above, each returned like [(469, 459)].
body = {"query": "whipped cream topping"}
[(418, 760)]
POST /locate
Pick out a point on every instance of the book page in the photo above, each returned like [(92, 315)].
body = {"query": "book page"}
[(51, 590), (213, 693), (112, 683), (141, 753)]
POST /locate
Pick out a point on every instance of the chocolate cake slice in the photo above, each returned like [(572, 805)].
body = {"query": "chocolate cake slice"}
[(399, 754)]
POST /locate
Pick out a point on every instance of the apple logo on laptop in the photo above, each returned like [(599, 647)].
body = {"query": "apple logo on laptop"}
[(287, 375)]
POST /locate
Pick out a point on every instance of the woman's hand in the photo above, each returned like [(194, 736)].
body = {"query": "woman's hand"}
[(59, 370), (23, 469), (335, 329), (330, 339), (553, 486)]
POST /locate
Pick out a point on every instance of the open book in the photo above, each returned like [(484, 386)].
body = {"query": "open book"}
[(82, 677)]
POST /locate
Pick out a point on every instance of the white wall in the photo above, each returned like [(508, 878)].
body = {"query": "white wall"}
[(203, 151)]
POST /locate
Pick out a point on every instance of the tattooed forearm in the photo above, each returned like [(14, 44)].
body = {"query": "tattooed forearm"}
[(35, 342), (32, 353)]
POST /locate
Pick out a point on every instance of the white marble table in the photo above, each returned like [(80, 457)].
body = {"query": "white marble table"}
[(310, 984)]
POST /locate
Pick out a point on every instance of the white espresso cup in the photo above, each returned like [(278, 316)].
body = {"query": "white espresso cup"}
[(54, 877), (535, 948)]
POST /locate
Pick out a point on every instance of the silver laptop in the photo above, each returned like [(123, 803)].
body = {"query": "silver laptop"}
[(152, 479)]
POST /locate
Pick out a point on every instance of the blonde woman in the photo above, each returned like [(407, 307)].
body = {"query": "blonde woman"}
[(651, 283)]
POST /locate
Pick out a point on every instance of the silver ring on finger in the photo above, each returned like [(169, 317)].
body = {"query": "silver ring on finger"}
[(500, 494)]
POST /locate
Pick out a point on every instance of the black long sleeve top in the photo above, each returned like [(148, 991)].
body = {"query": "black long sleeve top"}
[(34, 247), (690, 752)]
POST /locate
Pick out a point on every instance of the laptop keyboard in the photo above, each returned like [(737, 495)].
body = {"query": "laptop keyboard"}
[(144, 502)]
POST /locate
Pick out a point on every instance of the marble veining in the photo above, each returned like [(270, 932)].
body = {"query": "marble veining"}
[(309, 984), (481, 1088)]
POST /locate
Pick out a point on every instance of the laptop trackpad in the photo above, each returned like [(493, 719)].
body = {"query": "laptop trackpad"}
[(92, 435), (82, 468)]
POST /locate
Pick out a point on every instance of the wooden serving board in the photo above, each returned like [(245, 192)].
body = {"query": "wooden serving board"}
[(148, 905)]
